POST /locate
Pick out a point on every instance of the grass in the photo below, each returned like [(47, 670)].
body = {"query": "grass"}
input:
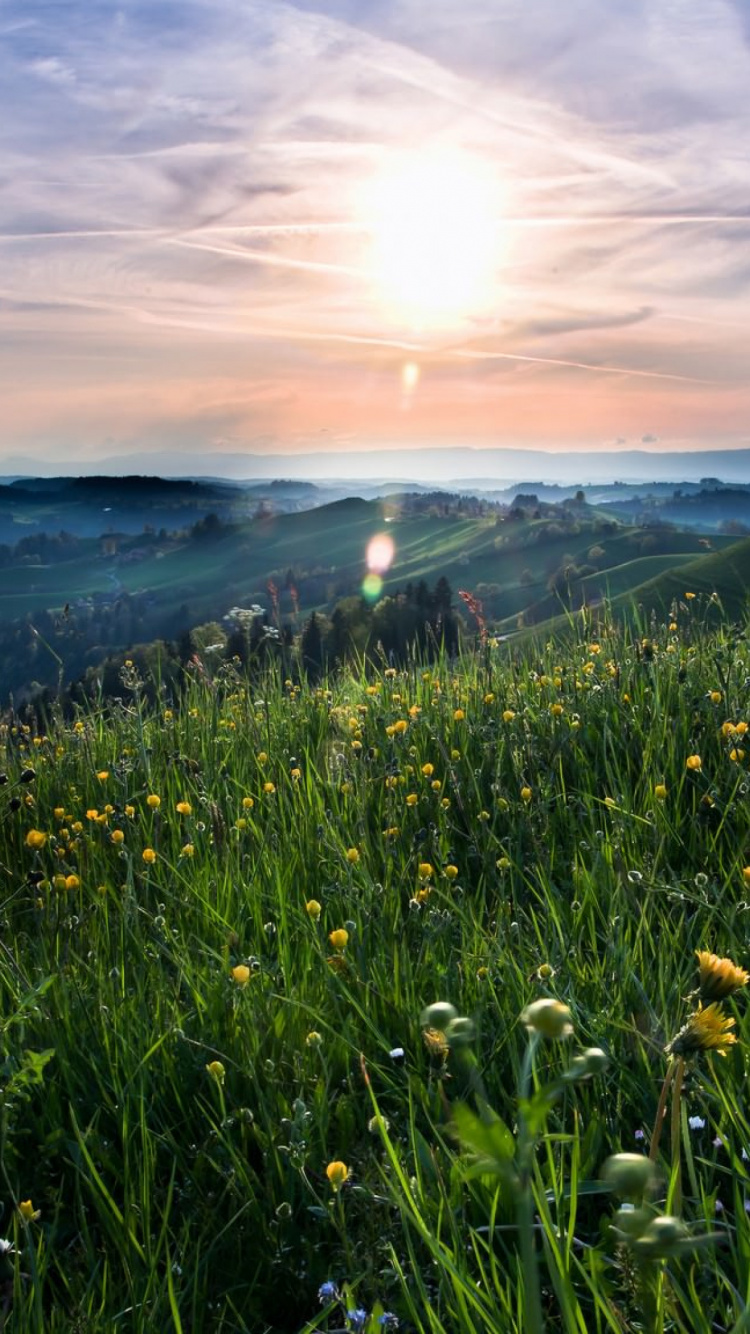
[(186, 1050)]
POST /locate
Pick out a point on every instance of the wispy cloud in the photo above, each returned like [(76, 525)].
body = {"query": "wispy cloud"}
[(182, 190)]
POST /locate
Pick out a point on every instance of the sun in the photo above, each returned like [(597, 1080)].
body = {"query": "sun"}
[(434, 221)]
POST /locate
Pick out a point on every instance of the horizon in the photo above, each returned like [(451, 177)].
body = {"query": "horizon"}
[(240, 230)]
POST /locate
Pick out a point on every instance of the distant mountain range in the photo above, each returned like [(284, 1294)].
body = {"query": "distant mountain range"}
[(485, 469)]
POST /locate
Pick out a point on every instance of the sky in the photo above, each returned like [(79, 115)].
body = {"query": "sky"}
[(233, 226)]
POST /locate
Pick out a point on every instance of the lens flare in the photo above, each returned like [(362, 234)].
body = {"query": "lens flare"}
[(372, 587), (380, 553)]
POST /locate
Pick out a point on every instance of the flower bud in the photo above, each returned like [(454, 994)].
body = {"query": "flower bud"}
[(548, 1017), (628, 1173), (439, 1015)]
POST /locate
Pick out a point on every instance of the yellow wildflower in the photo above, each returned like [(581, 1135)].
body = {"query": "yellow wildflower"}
[(339, 938), (153, 801), (184, 808), (352, 856), (36, 839), (706, 1030), (241, 974), (149, 856), (337, 1173), (27, 1211), (694, 763), (313, 909), (718, 977)]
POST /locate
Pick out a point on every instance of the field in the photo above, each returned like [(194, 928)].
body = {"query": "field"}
[(235, 1094)]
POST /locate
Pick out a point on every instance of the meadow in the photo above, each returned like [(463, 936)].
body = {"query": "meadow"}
[(411, 998)]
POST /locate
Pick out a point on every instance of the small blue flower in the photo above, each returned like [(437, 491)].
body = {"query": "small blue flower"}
[(327, 1292), (696, 1122), (356, 1319), (388, 1320)]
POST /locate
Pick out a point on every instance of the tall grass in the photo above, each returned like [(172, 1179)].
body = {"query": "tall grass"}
[(186, 1051)]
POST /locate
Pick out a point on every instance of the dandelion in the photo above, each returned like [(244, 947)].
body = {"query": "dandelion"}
[(149, 856), (694, 763), (36, 839), (719, 978), (337, 1173), (708, 1029), (339, 938), (216, 1071), (241, 974), (425, 871)]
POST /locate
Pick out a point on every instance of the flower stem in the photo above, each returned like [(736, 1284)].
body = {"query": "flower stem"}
[(659, 1119)]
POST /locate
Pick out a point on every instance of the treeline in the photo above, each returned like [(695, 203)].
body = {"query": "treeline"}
[(54, 658)]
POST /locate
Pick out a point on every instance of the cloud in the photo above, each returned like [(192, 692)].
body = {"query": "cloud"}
[(187, 178)]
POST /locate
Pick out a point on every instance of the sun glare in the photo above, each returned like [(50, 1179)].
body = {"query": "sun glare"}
[(434, 220)]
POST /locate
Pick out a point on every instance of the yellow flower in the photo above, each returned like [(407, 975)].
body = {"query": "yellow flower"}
[(435, 1041), (27, 1211), (451, 872), (188, 850), (706, 1030), (337, 1173), (247, 803), (502, 863), (425, 871), (694, 763), (103, 775), (412, 799), (458, 715), (400, 726), (718, 977), (526, 794), (313, 909), (660, 791), (153, 801), (269, 788), (339, 938), (184, 808), (556, 710), (130, 812), (241, 974), (72, 882), (508, 715), (715, 696), (428, 770), (149, 856), (746, 875), (436, 784), (36, 839), (690, 596), (117, 836), (59, 812), (216, 1071), (262, 757), (352, 856)]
